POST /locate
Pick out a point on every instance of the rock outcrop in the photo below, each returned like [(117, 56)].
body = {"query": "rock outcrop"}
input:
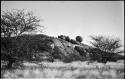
[(42, 47)]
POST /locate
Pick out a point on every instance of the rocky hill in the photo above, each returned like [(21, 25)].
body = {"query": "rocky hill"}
[(46, 48)]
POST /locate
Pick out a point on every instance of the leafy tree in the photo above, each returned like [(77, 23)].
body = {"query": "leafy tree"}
[(79, 38), (106, 44), (15, 22)]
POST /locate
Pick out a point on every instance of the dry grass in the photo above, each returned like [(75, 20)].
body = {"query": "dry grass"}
[(60, 70)]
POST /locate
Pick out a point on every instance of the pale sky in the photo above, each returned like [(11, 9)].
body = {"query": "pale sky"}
[(74, 18)]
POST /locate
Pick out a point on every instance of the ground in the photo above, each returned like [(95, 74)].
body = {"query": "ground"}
[(60, 70)]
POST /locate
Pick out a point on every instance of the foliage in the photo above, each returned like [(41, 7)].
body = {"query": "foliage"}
[(106, 49), (81, 51), (68, 39), (73, 57), (64, 37), (73, 41), (79, 38), (15, 22), (106, 44), (32, 48), (25, 46), (57, 53), (102, 56), (61, 37)]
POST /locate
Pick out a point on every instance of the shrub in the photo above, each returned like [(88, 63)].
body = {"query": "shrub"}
[(106, 44), (74, 41), (79, 38), (26, 46), (67, 39), (102, 56), (61, 37), (73, 57), (81, 51), (105, 48), (57, 53)]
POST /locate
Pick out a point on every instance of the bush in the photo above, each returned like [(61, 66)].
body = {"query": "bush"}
[(67, 39), (64, 37), (79, 38), (102, 56), (106, 44), (81, 51), (26, 46), (105, 49), (74, 41), (61, 37), (57, 53), (73, 57)]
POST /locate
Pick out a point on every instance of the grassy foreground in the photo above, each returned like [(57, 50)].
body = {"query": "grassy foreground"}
[(60, 70)]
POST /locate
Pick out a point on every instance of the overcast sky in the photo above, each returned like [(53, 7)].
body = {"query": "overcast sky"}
[(74, 18)]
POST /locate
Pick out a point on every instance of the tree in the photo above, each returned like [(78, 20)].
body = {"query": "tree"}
[(79, 38), (15, 22), (106, 44)]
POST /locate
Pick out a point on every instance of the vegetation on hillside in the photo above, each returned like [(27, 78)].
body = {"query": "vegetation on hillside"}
[(37, 47)]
